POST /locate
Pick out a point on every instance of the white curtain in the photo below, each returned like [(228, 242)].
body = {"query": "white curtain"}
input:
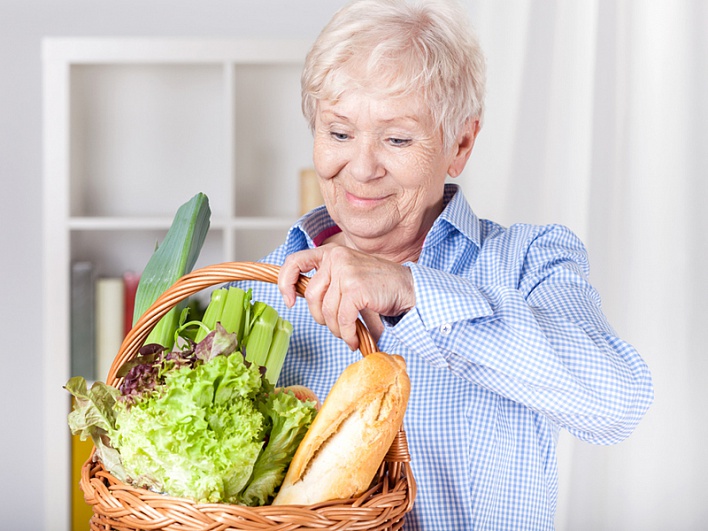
[(597, 118)]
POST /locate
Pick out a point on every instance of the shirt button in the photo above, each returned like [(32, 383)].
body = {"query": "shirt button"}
[(446, 329)]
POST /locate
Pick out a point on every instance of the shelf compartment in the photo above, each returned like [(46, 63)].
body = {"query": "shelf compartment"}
[(268, 157), (144, 138)]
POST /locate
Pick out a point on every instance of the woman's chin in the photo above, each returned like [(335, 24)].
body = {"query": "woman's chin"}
[(367, 229)]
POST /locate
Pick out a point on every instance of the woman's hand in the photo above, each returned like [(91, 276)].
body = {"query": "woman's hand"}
[(346, 283)]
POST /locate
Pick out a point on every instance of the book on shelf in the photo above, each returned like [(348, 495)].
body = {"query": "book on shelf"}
[(130, 287), (83, 339), (101, 316), (110, 310)]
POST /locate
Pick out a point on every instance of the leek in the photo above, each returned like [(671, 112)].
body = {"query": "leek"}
[(170, 261)]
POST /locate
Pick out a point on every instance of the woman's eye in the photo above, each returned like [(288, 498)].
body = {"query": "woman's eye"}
[(339, 136), (399, 142)]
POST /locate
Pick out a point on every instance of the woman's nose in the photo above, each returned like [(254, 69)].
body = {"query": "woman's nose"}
[(365, 163)]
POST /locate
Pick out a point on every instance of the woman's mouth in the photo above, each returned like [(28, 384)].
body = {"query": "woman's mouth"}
[(363, 202)]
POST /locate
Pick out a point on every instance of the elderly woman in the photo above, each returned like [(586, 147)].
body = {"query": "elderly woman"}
[(503, 336)]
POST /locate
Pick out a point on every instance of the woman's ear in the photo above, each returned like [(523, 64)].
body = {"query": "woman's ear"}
[(462, 149)]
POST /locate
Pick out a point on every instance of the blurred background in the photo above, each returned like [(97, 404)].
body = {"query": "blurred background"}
[(596, 119)]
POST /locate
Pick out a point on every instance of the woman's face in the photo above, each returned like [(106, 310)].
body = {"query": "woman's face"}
[(382, 169)]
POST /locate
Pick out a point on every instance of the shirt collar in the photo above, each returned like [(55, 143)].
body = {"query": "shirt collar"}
[(315, 226), (310, 230), (456, 215)]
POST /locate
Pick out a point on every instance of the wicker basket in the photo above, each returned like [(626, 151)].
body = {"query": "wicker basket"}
[(121, 507)]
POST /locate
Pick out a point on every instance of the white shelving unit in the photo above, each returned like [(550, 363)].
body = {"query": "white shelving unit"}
[(133, 128)]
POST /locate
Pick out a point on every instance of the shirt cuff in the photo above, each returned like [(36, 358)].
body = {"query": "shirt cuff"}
[(443, 298)]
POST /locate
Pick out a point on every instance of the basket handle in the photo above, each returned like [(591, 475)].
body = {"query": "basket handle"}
[(196, 281)]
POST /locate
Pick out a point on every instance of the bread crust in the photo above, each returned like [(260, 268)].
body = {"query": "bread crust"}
[(345, 445)]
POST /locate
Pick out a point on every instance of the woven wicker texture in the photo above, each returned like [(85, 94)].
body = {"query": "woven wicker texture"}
[(121, 507)]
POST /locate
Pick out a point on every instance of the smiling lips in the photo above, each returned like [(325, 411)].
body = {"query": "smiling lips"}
[(363, 201)]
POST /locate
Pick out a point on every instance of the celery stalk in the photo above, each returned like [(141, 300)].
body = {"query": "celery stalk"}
[(260, 335), (172, 259), (228, 307), (234, 311), (278, 349), (212, 314)]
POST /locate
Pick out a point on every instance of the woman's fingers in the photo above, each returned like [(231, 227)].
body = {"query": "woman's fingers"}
[(294, 265), (347, 316), (345, 284), (317, 289)]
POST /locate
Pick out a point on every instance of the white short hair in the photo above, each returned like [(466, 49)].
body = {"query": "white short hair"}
[(396, 48)]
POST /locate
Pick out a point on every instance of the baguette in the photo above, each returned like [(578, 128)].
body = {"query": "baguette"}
[(345, 445)]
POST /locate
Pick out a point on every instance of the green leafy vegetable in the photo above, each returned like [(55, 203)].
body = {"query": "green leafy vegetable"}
[(200, 436), (289, 424), (94, 416), (200, 422)]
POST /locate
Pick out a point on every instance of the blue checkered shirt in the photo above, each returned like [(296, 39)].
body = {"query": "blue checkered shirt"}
[(506, 345)]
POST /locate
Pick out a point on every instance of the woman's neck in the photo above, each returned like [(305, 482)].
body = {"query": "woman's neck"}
[(382, 249)]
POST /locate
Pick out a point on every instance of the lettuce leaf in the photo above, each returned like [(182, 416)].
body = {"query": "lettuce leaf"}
[(290, 419), (93, 416), (201, 423), (199, 436)]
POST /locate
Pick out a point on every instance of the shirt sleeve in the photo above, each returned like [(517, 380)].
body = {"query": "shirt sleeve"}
[(537, 337)]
